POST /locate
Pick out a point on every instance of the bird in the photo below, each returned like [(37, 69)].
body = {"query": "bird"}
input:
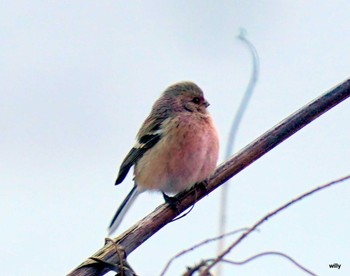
[(176, 147)]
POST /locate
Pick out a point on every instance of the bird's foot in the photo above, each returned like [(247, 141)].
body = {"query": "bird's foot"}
[(203, 185), (173, 201)]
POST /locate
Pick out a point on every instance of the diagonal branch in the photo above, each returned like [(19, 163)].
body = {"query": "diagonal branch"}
[(164, 214)]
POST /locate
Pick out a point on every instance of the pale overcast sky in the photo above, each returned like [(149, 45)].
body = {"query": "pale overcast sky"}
[(77, 80)]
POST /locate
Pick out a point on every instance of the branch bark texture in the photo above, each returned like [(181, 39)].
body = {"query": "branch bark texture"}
[(144, 229)]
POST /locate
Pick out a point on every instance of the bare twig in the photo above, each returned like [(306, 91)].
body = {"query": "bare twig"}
[(148, 226), (233, 133), (199, 245), (268, 216), (200, 267), (269, 253)]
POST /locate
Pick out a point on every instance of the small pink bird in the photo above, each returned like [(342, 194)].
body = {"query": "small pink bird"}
[(177, 146)]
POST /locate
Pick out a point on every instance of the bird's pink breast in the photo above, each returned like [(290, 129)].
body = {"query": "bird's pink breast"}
[(186, 154)]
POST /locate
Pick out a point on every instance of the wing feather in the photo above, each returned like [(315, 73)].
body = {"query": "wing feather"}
[(144, 144), (149, 135)]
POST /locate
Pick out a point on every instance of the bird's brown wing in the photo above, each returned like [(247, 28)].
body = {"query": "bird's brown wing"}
[(144, 143), (149, 135)]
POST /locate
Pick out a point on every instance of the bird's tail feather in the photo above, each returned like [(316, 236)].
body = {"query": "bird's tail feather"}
[(123, 208)]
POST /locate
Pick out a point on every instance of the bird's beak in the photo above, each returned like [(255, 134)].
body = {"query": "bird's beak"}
[(206, 104)]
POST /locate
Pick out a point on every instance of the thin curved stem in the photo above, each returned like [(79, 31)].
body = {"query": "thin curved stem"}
[(233, 133)]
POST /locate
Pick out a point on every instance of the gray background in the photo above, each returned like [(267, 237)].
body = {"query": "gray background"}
[(79, 77)]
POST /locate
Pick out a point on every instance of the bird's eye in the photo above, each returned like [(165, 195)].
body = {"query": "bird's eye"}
[(196, 100)]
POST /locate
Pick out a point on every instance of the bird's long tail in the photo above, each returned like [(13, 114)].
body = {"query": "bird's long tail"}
[(123, 208)]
